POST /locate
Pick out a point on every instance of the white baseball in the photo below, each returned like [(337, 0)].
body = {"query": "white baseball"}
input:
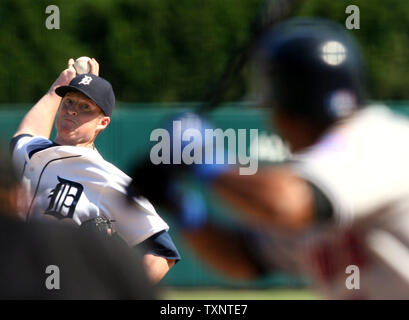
[(81, 65)]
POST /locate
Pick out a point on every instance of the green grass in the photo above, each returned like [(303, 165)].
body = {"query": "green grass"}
[(236, 294)]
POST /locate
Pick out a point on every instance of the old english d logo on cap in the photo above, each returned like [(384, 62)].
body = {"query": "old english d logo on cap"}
[(96, 88), (86, 80)]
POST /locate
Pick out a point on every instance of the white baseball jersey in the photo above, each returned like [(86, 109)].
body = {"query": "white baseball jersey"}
[(76, 184), (362, 167)]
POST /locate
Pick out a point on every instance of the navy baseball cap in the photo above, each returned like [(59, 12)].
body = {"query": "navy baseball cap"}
[(96, 88)]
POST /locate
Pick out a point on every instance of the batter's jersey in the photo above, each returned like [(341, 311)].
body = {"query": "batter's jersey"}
[(362, 167), (75, 184)]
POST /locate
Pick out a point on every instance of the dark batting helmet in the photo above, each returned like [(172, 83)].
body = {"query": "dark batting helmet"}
[(312, 69)]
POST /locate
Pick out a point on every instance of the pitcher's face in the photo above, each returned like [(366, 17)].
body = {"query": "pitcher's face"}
[(79, 120)]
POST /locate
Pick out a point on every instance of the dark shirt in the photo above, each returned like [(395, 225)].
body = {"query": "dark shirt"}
[(90, 266)]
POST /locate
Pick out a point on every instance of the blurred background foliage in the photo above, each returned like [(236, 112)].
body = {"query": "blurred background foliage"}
[(172, 51)]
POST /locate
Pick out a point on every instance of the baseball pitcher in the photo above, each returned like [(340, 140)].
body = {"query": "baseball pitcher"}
[(67, 179)]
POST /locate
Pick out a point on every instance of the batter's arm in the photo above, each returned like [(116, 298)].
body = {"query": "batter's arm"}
[(273, 196), (224, 250)]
